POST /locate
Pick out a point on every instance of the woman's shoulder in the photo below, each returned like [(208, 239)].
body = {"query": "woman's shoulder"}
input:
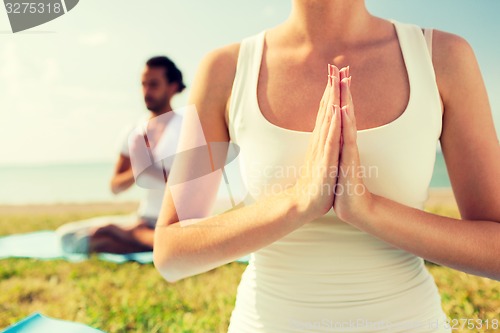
[(443, 38), (212, 87), (217, 69), (225, 58), (221, 60), (447, 44), (453, 59), (216, 73)]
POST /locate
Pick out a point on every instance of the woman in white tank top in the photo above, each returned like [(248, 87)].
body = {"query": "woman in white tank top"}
[(328, 272), (350, 257)]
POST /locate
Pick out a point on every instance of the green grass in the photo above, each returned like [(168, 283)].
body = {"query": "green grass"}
[(133, 298)]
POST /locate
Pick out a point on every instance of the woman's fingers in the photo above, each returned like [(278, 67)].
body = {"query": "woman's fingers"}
[(335, 71), (345, 100), (324, 101), (325, 128), (332, 97), (349, 131), (331, 91), (315, 136), (334, 92), (323, 153), (332, 147), (324, 98), (345, 92), (342, 73)]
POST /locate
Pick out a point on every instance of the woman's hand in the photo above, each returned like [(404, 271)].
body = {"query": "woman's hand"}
[(351, 195), (314, 190)]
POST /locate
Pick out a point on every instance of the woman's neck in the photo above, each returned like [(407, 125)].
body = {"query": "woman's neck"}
[(319, 22)]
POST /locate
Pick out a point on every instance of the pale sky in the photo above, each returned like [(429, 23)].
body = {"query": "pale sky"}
[(67, 88)]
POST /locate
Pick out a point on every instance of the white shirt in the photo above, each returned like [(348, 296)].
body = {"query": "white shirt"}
[(151, 203)]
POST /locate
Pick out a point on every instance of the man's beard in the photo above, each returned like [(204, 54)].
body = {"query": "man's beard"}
[(156, 106)]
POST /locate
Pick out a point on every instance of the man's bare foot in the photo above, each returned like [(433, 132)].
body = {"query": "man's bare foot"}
[(109, 244)]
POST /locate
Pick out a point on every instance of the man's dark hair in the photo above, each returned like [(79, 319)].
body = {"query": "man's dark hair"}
[(173, 74)]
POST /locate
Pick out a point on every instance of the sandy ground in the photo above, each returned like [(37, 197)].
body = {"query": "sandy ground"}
[(437, 197)]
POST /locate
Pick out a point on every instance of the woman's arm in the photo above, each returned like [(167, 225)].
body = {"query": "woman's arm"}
[(472, 154), (183, 251), (196, 242), (468, 245)]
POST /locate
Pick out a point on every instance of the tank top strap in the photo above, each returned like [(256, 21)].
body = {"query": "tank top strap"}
[(417, 56), (428, 39), (414, 48), (245, 80)]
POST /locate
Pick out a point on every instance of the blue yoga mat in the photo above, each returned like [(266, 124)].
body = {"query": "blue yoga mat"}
[(45, 245), (38, 323)]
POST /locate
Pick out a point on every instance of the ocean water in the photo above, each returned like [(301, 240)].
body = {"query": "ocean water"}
[(79, 183)]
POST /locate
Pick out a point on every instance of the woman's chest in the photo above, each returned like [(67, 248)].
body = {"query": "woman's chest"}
[(290, 88)]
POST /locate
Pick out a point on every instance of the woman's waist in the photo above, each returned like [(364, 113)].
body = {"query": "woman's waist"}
[(286, 302), (377, 270), (336, 285), (339, 261), (332, 246)]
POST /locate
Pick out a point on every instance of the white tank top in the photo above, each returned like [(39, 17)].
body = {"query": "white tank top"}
[(328, 276), (151, 202)]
